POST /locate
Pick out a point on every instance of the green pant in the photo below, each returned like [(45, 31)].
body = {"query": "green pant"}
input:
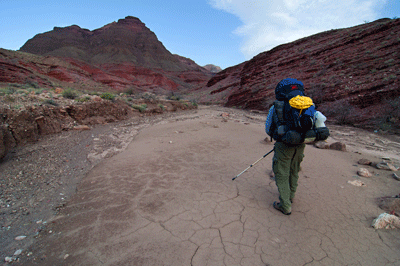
[(286, 167)]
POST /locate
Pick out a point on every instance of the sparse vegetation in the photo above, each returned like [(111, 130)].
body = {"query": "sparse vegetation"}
[(69, 94), (129, 91), (391, 115), (194, 103), (84, 99), (389, 62), (174, 96), (7, 91), (50, 102), (148, 96), (161, 106), (107, 96), (342, 111), (141, 107), (8, 98), (31, 84)]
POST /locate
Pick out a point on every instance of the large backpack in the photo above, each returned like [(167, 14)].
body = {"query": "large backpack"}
[(294, 115)]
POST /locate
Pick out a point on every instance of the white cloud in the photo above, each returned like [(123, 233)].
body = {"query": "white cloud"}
[(268, 23)]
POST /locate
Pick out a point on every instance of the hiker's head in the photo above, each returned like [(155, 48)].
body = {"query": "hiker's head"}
[(288, 88)]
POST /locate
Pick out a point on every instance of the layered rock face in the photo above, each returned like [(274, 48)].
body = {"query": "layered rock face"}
[(352, 74), (119, 55)]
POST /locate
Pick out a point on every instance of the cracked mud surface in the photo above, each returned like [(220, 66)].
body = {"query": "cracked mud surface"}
[(168, 198)]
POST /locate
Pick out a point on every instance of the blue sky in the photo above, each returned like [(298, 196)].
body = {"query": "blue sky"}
[(220, 32)]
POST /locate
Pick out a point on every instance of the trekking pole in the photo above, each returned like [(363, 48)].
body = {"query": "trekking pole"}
[(253, 164)]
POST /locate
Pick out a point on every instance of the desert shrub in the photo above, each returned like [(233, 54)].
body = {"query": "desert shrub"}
[(148, 96), (50, 102), (7, 91), (161, 106), (174, 96), (141, 108), (391, 114), (32, 84), (342, 111), (194, 103), (107, 96), (129, 91), (69, 94), (39, 91), (83, 99), (9, 98), (390, 61)]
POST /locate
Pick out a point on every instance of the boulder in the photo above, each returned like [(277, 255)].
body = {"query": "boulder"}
[(364, 172), (321, 145), (386, 166), (386, 221), (364, 162), (339, 146)]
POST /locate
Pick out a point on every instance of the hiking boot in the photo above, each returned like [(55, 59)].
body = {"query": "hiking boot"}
[(278, 206)]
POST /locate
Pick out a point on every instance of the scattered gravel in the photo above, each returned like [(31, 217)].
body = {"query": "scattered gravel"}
[(39, 178)]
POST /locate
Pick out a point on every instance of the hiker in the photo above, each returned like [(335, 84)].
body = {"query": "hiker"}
[(292, 121)]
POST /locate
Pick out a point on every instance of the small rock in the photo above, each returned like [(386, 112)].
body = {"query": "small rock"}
[(18, 252), (20, 238), (66, 256), (356, 183), (58, 90), (386, 221), (170, 142), (364, 162), (396, 177), (224, 115), (97, 99), (321, 145), (364, 172), (8, 259), (386, 166), (272, 174), (339, 146), (392, 167), (267, 140), (82, 127)]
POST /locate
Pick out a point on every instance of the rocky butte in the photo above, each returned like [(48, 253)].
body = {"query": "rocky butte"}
[(119, 55)]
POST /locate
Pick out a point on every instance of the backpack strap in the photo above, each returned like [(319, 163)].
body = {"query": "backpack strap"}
[(278, 105)]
